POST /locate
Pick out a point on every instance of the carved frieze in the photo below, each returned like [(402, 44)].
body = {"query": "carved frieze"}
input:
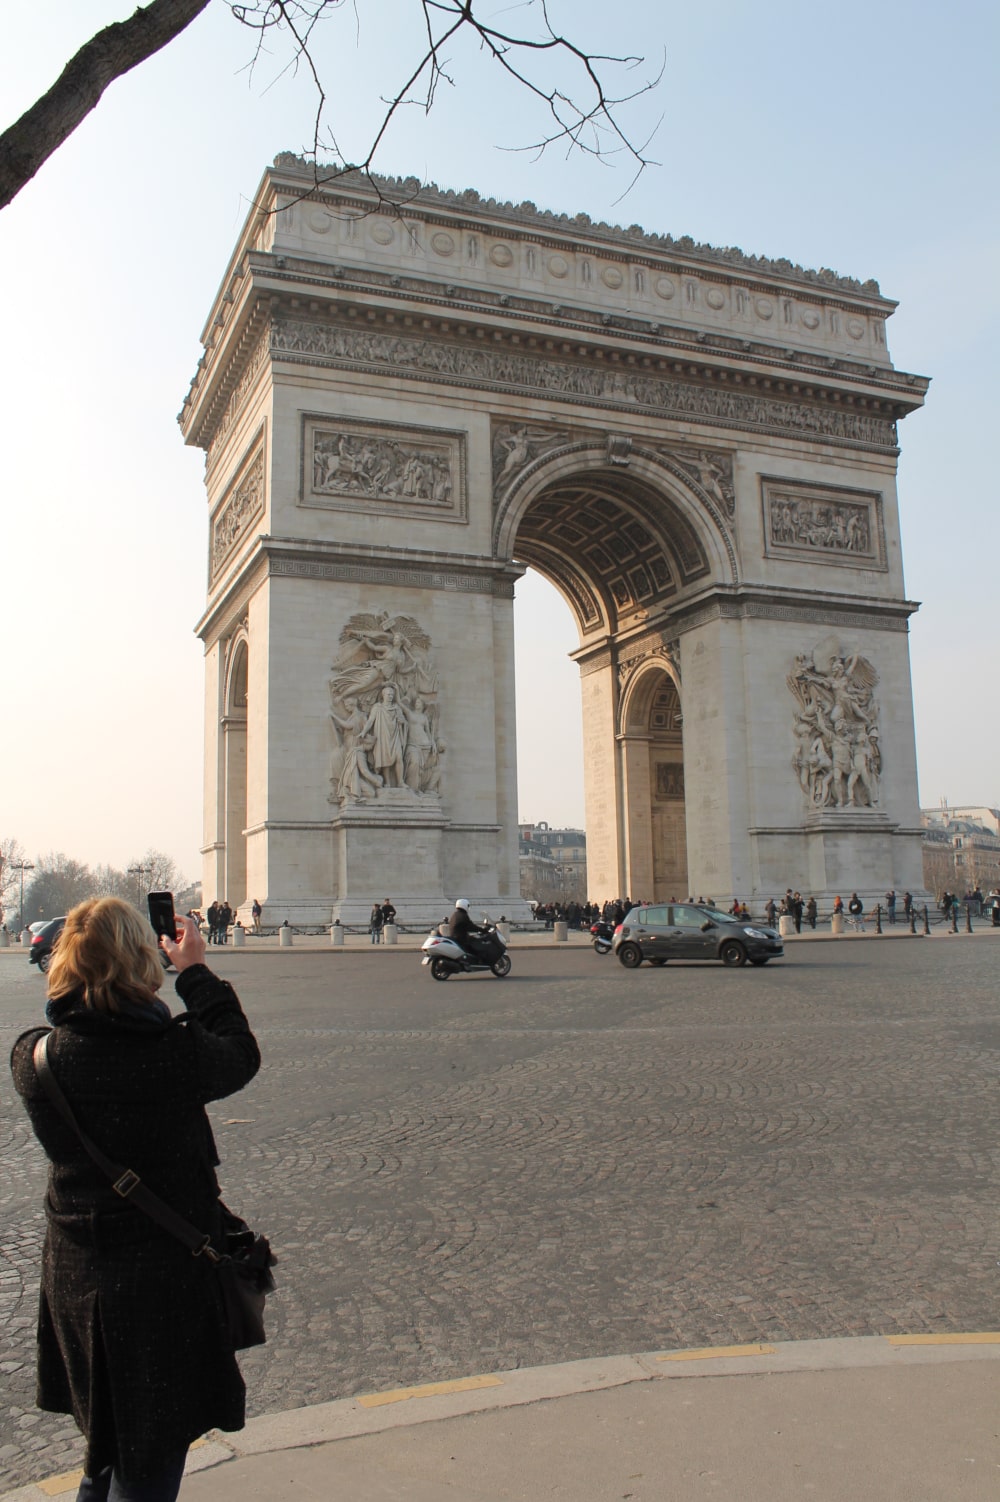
[(711, 470), (823, 523), (596, 385), (384, 713), (243, 504), (838, 758), (515, 445), (669, 781), (357, 465)]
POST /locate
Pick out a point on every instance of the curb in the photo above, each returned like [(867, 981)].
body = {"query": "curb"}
[(374, 1413)]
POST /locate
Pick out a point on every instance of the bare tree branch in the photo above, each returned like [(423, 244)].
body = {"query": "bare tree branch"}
[(117, 49), (587, 122)]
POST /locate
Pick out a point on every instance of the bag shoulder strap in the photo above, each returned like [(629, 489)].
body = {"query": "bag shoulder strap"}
[(124, 1181)]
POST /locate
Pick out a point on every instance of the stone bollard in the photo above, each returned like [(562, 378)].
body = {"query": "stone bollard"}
[(560, 932), (239, 936), (337, 935), (786, 926), (837, 923), (4, 939), (285, 937), (24, 937), (389, 933)]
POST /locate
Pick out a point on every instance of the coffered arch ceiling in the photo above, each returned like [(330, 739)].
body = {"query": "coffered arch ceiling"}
[(616, 549)]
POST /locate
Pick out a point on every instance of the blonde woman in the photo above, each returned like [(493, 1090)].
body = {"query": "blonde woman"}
[(132, 1336)]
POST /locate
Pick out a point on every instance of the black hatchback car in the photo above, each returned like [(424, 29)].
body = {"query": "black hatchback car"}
[(686, 931), (40, 949)]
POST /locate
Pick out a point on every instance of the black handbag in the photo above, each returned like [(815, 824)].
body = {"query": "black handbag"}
[(243, 1266)]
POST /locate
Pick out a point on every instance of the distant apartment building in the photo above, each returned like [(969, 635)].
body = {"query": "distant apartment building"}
[(961, 849), (553, 863)]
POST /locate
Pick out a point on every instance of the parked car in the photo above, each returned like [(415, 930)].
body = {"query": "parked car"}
[(686, 931), (43, 940)]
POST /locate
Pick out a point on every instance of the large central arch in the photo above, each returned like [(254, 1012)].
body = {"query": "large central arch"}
[(403, 409)]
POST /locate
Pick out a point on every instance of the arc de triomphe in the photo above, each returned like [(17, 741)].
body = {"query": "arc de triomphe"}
[(401, 408)]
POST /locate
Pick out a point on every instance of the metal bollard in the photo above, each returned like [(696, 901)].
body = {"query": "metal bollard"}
[(954, 918), (337, 935), (878, 917), (913, 920), (968, 919), (927, 922)]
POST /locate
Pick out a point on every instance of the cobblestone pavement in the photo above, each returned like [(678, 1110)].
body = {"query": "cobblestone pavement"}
[(578, 1161)]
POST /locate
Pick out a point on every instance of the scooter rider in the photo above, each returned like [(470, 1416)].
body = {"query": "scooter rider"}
[(465, 932)]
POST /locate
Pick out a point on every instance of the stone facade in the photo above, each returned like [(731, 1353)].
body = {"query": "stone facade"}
[(402, 407)]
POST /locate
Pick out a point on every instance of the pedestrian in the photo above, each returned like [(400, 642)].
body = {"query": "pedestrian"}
[(256, 913), (375, 923), (811, 912), (132, 1334), (388, 913), (212, 917), (890, 904), (907, 905), (797, 908), (856, 908), (838, 907), (771, 912)]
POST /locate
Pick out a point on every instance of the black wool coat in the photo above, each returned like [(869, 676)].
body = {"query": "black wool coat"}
[(132, 1335)]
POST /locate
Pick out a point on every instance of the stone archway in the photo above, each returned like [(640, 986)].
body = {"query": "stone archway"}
[(400, 410), (234, 726)]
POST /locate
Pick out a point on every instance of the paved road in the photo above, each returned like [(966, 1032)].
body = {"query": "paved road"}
[(579, 1161)]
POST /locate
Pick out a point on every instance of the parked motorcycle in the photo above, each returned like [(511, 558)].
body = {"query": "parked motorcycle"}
[(447, 958), (602, 933)]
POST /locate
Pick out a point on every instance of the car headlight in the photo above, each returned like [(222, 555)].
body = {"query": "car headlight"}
[(758, 933)]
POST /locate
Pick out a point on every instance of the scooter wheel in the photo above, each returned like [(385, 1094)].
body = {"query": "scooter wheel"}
[(440, 969), (501, 967), (602, 948)]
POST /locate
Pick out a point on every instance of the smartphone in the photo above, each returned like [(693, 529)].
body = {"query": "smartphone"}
[(161, 914)]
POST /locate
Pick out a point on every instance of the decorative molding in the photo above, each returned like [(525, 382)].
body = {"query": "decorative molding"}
[(258, 355), (610, 386), (242, 503), (400, 578), (824, 524), (383, 468), (413, 195)]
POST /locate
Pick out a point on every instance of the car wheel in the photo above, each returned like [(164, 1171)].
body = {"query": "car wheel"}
[(732, 953), (761, 959), (501, 967), (44, 962), (630, 956), (440, 969)]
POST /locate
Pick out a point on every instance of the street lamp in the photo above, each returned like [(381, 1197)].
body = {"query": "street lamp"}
[(139, 872), (21, 866)]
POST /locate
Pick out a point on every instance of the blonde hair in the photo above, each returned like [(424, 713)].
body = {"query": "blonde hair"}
[(107, 949)]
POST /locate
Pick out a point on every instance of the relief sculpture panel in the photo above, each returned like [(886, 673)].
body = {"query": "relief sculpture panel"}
[(241, 507), (838, 759), (823, 522), (380, 466), (384, 712)]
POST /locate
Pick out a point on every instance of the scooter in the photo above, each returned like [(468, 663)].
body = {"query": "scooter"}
[(447, 958), (602, 933)]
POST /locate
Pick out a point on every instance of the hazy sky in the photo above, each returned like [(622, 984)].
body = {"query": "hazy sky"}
[(862, 137)]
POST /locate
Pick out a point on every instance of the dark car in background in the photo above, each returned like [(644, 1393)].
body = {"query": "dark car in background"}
[(687, 931), (42, 943)]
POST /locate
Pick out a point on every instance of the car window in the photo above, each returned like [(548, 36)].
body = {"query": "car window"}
[(658, 917), (689, 917)]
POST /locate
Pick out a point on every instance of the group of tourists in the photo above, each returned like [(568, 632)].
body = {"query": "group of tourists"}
[(219, 919), (382, 914)]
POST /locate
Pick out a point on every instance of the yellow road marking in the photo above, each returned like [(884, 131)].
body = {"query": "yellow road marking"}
[(708, 1353), (977, 1338), (428, 1390), (58, 1486)]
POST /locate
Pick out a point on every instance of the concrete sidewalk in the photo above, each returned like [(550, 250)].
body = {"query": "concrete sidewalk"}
[(897, 1419)]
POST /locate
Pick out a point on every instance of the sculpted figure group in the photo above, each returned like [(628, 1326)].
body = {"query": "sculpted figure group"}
[(838, 759), (383, 710)]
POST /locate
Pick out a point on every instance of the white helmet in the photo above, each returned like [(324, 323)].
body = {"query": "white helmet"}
[(462, 902)]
